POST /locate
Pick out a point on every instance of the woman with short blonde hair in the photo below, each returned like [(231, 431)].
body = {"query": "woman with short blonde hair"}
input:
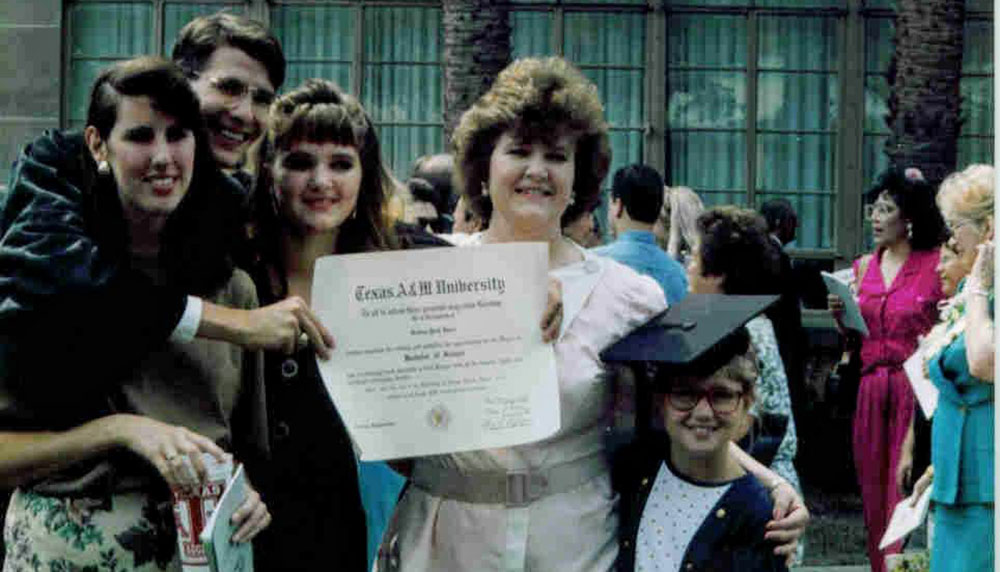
[(959, 360)]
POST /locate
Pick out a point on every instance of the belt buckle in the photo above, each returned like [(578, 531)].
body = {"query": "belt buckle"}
[(517, 490), (523, 488)]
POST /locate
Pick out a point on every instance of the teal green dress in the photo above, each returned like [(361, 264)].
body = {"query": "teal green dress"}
[(962, 455), (380, 487)]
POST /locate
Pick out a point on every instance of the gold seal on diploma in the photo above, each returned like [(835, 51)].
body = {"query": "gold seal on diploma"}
[(438, 417)]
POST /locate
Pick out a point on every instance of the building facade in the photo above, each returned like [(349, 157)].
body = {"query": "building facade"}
[(742, 100)]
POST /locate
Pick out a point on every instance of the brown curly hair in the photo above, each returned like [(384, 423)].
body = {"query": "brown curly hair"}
[(734, 243), (539, 99)]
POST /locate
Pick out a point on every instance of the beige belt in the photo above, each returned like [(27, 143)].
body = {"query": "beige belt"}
[(512, 489)]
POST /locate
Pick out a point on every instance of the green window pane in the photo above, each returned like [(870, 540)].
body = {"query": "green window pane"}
[(707, 41), (977, 106), (802, 168), (616, 2), (102, 34), (621, 93), (403, 82), (314, 34), (531, 34), (886, 4), (699, 3), (876, 104), (626, 148), (974, 150), (401, 145), (81, 77), (878, 44), (175, 16), (816, 214), (979, 5), (709, 161), (797, 101), (796, 43), (978, 47), (403, 35), (403, 92), (707, 100), (875, 159), (802, 3), (715, 198), (781, 165), (597, 38), (338, 73), (111, 30)]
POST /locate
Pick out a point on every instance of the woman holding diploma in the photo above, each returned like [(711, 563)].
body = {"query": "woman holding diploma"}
[(322, 189), (101, 452), (536, 142), (960, 356), (898, 291)]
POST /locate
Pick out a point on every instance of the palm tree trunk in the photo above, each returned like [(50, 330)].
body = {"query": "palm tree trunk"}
[(924, 96), (476, 49)]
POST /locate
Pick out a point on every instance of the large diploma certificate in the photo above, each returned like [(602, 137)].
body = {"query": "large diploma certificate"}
[(438, 350)]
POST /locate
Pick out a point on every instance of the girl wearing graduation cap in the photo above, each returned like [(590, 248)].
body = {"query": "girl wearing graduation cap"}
[(686, 503)]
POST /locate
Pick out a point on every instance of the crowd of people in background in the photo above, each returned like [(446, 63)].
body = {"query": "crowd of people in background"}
[(171, 244)]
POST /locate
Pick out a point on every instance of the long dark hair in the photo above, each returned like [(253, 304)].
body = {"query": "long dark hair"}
[(200, 235), (319, 111)]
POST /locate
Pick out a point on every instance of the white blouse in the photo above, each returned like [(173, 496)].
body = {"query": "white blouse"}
[(570, 530), (673, 514)]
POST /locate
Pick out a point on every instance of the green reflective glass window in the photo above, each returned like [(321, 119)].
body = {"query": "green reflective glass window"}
[(102, 34), (403, 81), (177, 14), (531, 34), (318, 41)]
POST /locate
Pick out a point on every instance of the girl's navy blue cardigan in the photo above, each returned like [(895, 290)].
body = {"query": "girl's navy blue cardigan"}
[(731, 538)]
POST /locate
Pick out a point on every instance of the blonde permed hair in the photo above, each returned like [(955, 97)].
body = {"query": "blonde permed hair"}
[(968, 195), (537, 99)]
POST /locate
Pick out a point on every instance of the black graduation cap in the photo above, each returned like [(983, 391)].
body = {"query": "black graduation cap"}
[(689, 333), (696, 336)]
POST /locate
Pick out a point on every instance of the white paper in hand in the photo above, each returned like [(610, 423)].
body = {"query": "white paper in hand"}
[(906, 518), (223, 555), (923, 388), (852, 313)]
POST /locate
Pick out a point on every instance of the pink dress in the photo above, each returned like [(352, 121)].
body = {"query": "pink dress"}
[(895, 317), (572, 530)]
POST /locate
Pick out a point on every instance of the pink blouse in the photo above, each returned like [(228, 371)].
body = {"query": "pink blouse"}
[(897, 315)]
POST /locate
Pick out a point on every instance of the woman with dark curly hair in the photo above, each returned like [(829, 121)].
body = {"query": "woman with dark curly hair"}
[(898, 291), (734, 254), (536, 142)]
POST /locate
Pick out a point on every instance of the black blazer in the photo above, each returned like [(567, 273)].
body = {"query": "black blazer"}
[(730, 539)]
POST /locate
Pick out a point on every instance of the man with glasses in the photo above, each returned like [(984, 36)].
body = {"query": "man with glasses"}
[(48, 253), (235, 66)]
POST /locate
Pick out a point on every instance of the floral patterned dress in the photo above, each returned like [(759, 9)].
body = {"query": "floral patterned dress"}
[(114, 512), (125, 531), (773, 396)]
